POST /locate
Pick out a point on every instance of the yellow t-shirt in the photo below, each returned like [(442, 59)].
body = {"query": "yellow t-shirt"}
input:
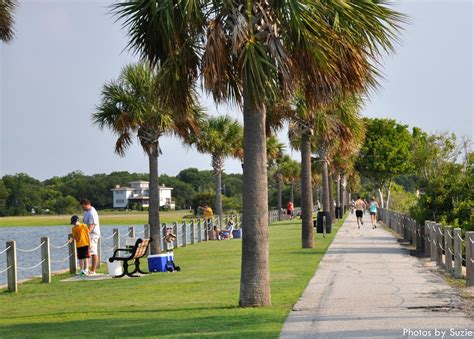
[(80, 233), (208, 214)]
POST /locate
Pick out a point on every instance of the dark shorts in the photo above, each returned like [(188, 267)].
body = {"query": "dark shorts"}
[(359, 214), (289, 212), (83, 252), (373, 213)]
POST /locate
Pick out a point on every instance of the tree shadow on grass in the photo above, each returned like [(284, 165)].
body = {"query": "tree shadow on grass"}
[(228, 326)]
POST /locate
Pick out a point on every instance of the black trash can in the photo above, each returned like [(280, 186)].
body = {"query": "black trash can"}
[(318, 223), (338, 213)]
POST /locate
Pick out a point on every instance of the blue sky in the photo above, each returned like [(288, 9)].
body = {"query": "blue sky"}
[(52, 73)]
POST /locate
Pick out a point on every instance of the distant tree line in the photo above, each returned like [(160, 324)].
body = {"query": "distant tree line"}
[(21, 194)]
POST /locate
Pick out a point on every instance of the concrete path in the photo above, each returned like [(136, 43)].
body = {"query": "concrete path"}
[(367, 285)]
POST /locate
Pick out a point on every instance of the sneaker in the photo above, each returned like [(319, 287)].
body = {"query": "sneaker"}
[(82, 273), (92, 273)]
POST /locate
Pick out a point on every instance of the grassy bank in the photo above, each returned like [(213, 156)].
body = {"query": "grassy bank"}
[(106, 218), (199, 301)]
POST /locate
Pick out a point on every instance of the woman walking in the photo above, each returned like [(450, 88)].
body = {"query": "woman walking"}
[(373, 212)]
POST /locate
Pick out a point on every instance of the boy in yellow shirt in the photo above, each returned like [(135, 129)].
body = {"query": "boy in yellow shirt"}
[(80, 233)]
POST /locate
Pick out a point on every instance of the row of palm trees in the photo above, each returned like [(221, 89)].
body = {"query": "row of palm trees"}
[(296, 59), (305, 61)]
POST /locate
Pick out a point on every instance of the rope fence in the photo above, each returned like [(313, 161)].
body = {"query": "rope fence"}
[(32, 250)]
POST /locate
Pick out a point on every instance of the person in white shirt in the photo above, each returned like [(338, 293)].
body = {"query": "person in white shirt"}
[(91, 219)]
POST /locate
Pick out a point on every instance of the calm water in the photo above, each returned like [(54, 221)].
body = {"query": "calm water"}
[(30, 237)]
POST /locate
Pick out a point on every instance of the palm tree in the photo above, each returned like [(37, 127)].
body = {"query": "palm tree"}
[(6, 19), (221, 137), (130, 108), (290, 170), (275, 150), (249, 52)]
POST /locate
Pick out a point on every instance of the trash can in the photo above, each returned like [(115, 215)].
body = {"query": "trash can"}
[(320, 219), (338, 213)]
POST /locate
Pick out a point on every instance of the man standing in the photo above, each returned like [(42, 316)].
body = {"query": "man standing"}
[(208, 215), (91, 219), (359, 207)]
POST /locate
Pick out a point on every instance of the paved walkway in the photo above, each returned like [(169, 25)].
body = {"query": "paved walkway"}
[(367, 285)]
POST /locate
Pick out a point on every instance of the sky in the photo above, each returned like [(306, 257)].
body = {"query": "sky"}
[(52, 73)]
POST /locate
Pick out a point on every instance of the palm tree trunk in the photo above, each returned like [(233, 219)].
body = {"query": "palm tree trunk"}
[(307, 232), (292, 190), (280, 216), (325, 179), (331, 197), (154, 202), (218, 164), (255, 272)]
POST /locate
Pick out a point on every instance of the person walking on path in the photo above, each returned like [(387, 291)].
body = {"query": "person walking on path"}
[(91, 219), (359, 207), (80, 233), (373, 212)]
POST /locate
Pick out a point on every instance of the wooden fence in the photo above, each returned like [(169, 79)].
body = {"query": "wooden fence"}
[(452, 252)]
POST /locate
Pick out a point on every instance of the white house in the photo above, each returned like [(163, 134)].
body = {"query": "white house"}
[(139, 194)]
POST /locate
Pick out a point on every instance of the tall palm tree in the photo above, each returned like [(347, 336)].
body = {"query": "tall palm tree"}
[(249, 51), (275, 150), (7, 8), (130, 108), (221, 137)]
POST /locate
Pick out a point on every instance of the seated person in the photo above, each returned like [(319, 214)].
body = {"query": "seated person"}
[(227, 233)]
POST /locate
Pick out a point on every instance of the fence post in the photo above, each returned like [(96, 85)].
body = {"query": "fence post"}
[(146, 235), (99, 251), (448, 249), (45, 257), (206, 226), (457, 253), (192, 231), (184, 234), (419, 237), (199, 231), (116, 238), (439, 247), (426, 235), (72, 256), (163, 235), (11, 263), (175, 231), (469, 258), (433, 239)]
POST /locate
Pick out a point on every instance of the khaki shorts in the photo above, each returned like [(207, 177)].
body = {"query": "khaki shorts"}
[(93, 246)]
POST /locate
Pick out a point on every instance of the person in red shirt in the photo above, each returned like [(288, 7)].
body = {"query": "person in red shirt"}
[(289, 209)]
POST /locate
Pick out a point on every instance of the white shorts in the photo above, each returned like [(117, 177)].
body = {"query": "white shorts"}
[(93, 245)]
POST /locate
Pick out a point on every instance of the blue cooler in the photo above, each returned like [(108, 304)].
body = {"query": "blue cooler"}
[(157, 262), (236, 234)]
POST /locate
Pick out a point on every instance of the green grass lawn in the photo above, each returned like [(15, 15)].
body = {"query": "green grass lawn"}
[(199, 301), (106, 218)]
